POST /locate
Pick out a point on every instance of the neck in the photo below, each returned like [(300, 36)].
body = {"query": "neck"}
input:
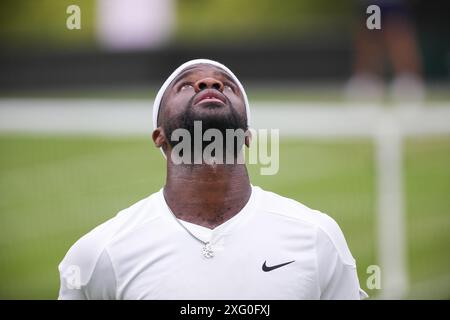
[(207, 195)]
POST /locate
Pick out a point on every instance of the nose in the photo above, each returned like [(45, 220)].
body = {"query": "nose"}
[(208, 83)]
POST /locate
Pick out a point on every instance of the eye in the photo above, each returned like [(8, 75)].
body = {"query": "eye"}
[(185, 86), (228, 86)]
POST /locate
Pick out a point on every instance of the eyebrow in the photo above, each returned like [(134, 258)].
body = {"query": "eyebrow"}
[(188, 72)]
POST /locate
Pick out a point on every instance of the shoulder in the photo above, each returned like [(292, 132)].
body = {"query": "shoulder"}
[(325, 227), (85, 253)]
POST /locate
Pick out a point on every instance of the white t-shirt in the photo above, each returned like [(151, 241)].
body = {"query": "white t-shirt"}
[(274, 248)]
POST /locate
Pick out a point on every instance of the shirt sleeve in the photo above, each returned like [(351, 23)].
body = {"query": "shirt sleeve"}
[(78, 283), (337, 275)]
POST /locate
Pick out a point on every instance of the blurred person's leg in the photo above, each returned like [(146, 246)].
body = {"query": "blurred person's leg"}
[(395, 42), (366, 83), (403, 52)]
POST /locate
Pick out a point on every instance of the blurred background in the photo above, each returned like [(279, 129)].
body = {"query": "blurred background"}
[(75, 121)]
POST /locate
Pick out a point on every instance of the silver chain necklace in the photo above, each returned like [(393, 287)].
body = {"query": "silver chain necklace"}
[(207, 250)]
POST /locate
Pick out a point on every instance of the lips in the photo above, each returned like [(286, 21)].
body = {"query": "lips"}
[(211, 96)]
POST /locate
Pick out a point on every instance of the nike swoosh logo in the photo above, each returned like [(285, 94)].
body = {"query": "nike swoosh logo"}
[(267, 268)]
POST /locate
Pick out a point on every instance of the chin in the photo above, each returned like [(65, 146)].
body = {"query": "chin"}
[(213, 106)]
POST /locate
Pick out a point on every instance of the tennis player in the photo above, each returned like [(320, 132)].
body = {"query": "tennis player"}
[(209, 233)]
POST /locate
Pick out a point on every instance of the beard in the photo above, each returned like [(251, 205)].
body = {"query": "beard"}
[(225, 118)]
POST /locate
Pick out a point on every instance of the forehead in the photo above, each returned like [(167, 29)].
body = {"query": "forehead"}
[(201, 70)]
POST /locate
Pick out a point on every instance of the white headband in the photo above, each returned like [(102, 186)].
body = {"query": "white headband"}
[(157, 102)]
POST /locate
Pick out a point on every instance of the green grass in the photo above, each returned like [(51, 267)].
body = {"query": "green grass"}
[(55, 189)]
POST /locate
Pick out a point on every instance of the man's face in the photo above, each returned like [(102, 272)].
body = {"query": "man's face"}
[(202, 93)]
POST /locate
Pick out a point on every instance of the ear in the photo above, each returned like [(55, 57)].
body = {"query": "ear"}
[(159, 137), (248, 138)]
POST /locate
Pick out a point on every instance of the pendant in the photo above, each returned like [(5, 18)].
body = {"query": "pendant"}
[(207, 251)]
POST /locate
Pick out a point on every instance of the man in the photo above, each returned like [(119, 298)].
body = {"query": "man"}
[(208, 233)]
